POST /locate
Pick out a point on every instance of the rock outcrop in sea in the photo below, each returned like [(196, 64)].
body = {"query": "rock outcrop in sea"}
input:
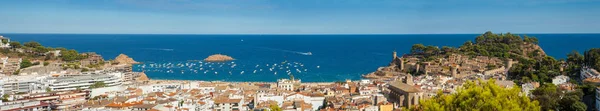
[(124, 59), (218, 58), (142, 77)]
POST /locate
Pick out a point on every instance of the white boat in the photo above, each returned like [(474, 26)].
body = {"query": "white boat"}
[(307, 53)]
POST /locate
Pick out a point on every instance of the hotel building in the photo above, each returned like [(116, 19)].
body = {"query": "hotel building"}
[(82, 81)]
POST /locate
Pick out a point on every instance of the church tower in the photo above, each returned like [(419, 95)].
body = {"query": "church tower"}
[(408, 79)]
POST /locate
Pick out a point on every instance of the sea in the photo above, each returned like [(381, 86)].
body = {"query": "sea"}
[(266, 58)]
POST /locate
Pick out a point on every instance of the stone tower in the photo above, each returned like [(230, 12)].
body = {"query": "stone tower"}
[(418, 66), (509, 63), (454, 69), (401, 64), (409, 79), (394, 55)]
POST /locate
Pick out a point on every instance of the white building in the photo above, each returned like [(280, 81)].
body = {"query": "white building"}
[(528, 87), (21, 84), (287, 84), (228, 104), (5, 42), (597, 98), (365, 82), (55, 53), (162, 87), (264, 97), (560, 79), (372, 108), (315, 101), (588, 72), (24, 105), (3, 61), (206, 89), (165, 87), (82, 81)]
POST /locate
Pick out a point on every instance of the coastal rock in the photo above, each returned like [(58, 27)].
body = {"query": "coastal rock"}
[(142, 77), (529, 48), (218, 57), (124, 59)]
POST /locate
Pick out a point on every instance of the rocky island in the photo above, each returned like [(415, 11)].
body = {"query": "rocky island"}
[(124, 59), (218, 58)]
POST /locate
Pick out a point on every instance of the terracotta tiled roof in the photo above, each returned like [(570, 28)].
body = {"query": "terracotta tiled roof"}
[(404, 87), (123, 104), (226, 100)]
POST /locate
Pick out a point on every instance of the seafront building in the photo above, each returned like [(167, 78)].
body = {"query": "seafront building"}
[(288, 84), (82, 81)]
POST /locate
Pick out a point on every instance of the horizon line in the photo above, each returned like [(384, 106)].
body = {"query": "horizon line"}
[(299, 33)]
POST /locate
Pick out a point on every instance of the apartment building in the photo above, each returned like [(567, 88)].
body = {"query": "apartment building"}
[(81, 81)]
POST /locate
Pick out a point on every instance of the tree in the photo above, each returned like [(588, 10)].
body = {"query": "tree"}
[(32, 44), (48, 89), (26, 63), (15, 44), (575, 57), (547, 93), (41, 49), (71, 55), (325, 104), (17, 72), (98, 84), (274, 107), (431, 50), (448, 50), (555, 99), (486, 96), (578, 106), (417, 48), (5, 97)]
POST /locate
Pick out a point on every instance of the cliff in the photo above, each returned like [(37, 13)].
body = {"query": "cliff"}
[(124, 59), (529, 48), (218, 58)]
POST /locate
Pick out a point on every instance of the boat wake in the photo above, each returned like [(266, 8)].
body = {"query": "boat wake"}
[(161, 49), (288, 51)]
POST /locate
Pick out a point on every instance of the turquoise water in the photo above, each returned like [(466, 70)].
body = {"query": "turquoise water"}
[(334, 57)]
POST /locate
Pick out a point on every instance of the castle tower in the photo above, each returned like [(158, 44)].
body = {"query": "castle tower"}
[(454, 69), (394, 55), (509, 63), (425, 69), (401, 64), (418, 66)]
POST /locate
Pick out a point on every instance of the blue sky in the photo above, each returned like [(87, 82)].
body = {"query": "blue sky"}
[(299, 16)]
